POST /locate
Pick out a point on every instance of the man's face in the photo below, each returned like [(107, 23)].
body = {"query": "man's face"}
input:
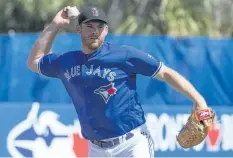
[(93, 33)]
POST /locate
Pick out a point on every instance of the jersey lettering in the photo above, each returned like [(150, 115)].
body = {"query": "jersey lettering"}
[(106, 71), (90, 70), (111, 76), (97, 71), (76, 71)]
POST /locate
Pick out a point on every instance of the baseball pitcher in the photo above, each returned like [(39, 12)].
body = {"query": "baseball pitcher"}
[(101, 81)]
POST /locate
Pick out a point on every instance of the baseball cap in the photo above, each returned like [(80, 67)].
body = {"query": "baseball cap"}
[(92, 13)]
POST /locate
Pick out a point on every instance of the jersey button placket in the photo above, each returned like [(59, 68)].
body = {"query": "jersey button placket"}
[(86, 86), (85, 83)]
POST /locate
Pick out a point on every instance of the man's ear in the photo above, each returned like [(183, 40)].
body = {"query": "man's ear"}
[(78, 28), (106, 30)]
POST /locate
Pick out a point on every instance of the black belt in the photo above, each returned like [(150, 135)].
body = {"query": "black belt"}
[(114, 142)]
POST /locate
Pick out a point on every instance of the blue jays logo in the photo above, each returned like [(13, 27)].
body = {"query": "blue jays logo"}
[(106, 92), (42, 135), (95, 12)]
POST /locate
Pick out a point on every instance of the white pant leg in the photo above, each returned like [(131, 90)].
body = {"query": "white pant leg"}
[(140, 146), (96, 151)]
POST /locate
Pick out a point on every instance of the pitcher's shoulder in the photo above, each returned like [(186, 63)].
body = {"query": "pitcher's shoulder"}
[(117, 47), (70, 54)]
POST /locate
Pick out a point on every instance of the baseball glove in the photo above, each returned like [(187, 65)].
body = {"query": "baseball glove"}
[(196, 128)]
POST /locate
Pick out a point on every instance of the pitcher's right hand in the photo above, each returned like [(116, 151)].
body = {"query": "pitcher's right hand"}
[(63, 17)]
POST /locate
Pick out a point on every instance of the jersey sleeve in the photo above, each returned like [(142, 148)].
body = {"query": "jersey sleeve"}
[(142, 63), (48, 65)]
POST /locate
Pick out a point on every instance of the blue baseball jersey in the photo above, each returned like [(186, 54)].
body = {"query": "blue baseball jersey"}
[(102, 86)]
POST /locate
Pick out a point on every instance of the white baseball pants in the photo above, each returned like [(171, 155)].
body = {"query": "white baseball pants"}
[(139, 146)]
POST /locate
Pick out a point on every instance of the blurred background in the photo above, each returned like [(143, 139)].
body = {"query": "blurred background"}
[(163, 17), (193, 37)]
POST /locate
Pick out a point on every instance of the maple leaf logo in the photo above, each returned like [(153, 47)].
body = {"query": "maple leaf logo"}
[(106, 92)]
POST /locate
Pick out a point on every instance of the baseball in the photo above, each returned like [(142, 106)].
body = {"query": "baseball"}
[(72, 12)]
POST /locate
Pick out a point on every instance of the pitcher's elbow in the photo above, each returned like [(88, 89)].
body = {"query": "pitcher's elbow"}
[(32, 66)]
